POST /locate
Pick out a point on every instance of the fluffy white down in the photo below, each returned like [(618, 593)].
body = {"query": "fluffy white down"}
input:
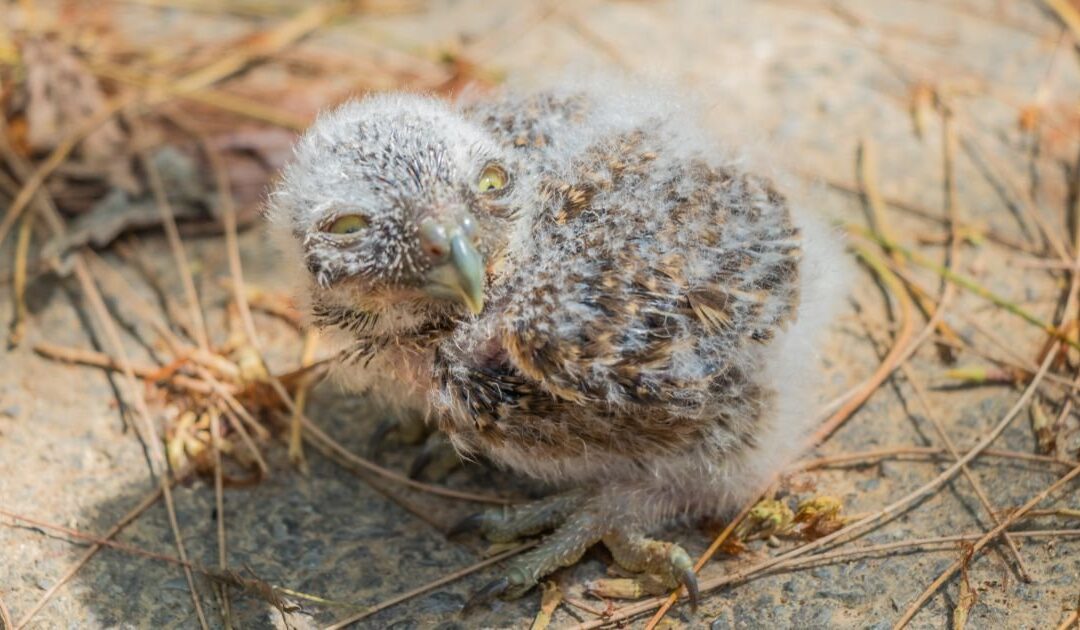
[(682, 484)]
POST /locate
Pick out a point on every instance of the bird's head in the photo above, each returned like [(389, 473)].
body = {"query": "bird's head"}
[(396, 200)]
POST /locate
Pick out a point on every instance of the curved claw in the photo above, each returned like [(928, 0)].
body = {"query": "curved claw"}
[(688, 578), (385, 427), (486, 594), (470, 523)]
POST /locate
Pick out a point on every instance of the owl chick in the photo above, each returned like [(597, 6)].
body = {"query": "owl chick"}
[(578, 284)]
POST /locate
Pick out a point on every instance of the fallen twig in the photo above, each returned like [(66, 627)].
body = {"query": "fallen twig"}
[(106, 539), (18, 285), (870, 457), (770, 566), (420, 590), (172, 234), (982, 542)]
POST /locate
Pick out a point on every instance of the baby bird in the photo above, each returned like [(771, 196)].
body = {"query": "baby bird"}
[(579, 284)]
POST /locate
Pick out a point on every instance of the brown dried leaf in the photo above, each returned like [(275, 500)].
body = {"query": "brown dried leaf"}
[(768, 518), (58, 95), (819, 516)]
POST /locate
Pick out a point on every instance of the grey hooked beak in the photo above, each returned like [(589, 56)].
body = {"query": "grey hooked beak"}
[(457, 271)]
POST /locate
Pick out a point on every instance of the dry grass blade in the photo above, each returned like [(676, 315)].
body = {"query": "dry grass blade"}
[(1071, 622), (880, 225), (296, 427), (219, 504), (260, 588), (18, 285), (1068, 14), (872, 457), (150, 435), (5, 617), (172, 234), (550, 598), (867, 161), (420, 590), (102, 360), (1071, 302), (265, 44), (923, 212), (145, 427), (903, 338), (897, 353), (966, 283), (982, 542), (205, 96), (70, 572), (1009, 181), (895, 289), (36, 179), (920, 395)]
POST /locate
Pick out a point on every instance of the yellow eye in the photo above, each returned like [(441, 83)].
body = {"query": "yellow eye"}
[(491, 178), (348, 224)]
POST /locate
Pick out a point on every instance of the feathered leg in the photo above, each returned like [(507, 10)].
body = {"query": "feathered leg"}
[(580, 521)]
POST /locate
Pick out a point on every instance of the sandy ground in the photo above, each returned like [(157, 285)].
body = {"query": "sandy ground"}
[(800, 82)]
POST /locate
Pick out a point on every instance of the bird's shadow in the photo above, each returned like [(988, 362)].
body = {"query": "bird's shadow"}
[(328, 534)]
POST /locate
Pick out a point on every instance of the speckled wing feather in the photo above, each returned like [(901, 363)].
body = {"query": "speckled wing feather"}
[(645, 298), (637, 307)]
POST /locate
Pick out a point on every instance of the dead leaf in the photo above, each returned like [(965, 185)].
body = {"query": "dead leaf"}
[(768, 518), (119, 212), (59, 94), (819, 516)]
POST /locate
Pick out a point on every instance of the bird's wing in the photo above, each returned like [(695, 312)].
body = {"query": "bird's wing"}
[(649, 281)]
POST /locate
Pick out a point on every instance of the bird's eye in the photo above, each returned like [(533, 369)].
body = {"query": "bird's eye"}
[(348, 224), (492, 178)]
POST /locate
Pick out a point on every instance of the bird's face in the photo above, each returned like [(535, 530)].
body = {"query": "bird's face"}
[(397, 199)]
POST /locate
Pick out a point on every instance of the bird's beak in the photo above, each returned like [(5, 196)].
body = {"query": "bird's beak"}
[(458, 271)]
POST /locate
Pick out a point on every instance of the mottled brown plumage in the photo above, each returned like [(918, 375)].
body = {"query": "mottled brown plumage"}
[(649, 322)]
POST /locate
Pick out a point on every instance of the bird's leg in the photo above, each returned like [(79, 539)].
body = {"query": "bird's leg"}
[(510, 522), (581, 529), (581, 521), (662, 566)]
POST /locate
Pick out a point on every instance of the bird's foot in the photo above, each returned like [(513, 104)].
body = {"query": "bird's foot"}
[(510, 522), (579, 524), (660, 567), (437, 457)]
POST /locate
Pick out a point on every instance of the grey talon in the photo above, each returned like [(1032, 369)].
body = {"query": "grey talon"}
[(688, 578)]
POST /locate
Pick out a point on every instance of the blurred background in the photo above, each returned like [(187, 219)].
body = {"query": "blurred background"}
[(168, 458)]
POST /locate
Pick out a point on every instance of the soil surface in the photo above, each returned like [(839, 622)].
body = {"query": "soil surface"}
[(803, 82)]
